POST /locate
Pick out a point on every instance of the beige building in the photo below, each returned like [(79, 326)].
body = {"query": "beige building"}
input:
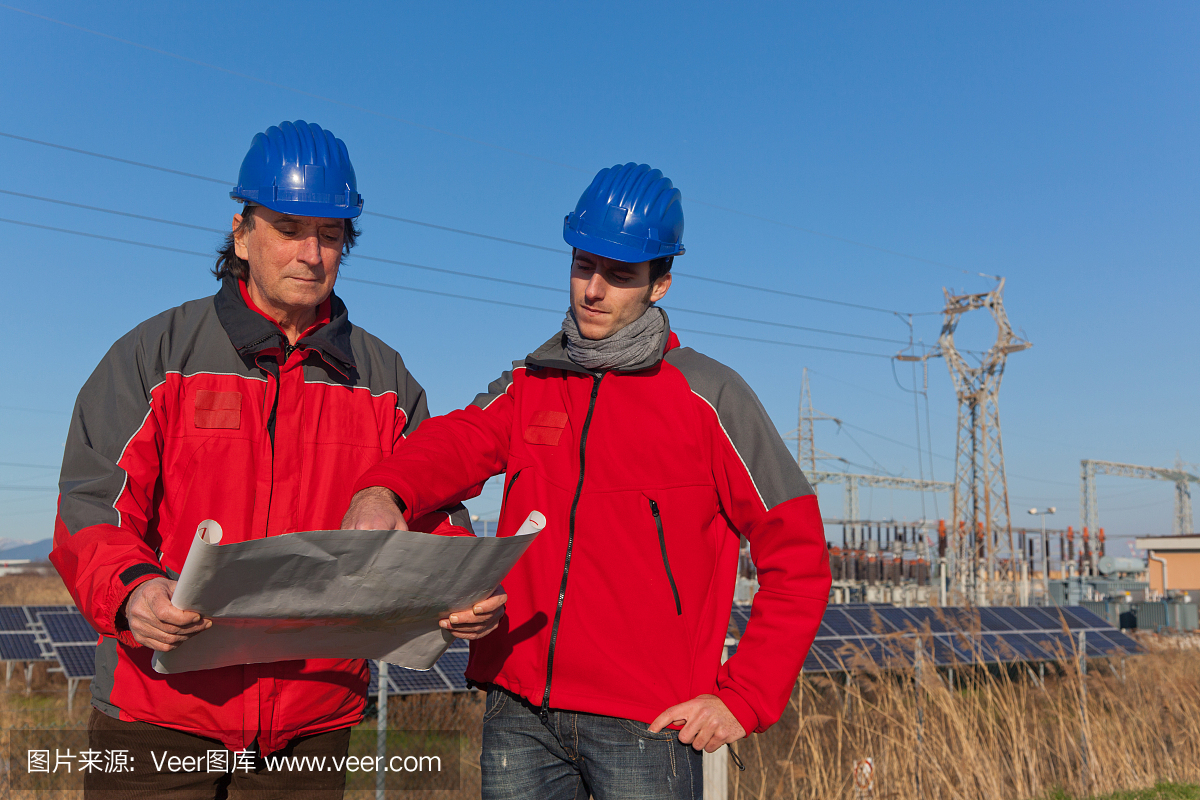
[(1174, 562)]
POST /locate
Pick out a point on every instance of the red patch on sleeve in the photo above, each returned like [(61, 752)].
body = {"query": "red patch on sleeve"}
[(218, 409)]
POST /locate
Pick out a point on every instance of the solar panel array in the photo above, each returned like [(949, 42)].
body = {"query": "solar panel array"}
[(854, 636), (49, 633), (447, 675)]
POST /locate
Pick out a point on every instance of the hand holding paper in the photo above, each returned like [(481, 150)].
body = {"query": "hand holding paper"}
[(335, 594)]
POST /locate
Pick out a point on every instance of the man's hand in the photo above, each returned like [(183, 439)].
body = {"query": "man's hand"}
[(374, 509), (707, 723), (157, 624), (478, 621)]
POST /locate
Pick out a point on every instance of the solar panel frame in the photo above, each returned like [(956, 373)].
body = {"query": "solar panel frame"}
[(77, 660), (21, 647), (13, 619), (33, 611), (67, 628)]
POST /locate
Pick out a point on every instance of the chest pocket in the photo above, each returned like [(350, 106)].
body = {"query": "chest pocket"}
[(218, 409), (545, 427)]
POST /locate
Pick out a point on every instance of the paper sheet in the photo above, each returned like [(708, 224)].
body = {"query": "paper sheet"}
[(334, 594)]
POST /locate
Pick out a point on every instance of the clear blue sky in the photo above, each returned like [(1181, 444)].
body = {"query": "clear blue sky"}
[(1052, 143)]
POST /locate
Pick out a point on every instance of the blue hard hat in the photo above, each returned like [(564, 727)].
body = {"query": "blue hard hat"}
[(630, 213), (298, 168)]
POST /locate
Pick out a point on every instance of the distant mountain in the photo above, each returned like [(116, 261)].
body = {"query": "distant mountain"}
[(37, 551), (6, 544)]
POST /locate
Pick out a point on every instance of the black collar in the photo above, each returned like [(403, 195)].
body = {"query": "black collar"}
[(251, 333)]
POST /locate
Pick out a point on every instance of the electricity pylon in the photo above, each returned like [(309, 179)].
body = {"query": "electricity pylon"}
[(981, 514), (1089, 512)]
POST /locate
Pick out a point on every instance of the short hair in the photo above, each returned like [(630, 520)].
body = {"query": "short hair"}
[(231, 265), (660, 267)]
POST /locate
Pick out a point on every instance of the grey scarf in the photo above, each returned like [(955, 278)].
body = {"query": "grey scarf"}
[(632, 345)]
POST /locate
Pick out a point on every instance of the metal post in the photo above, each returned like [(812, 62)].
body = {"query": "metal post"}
[(716, 765), (917, 661), (381, 717), (1083, 726)]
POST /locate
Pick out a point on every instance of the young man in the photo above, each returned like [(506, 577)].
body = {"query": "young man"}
[(255, 408), (648, 460)]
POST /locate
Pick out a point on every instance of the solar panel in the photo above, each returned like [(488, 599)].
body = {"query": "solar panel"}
[(996, 619), (841, 624), (35, 610), (20, 647), (78, 660), (453, 665), (13, 618), (68, 628), (1080, 617), (870, 620), (740, 614), (1044, 619), (411, 681)]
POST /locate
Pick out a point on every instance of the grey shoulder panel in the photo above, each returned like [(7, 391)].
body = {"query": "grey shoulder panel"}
[(745, 422), (380, 370), (115, 403), (498, 387)]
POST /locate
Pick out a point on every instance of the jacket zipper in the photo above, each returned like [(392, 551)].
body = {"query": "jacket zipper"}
[(508, 488), (562, 588), (662, 542)]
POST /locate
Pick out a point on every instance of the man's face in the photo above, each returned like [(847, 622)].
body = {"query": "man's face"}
[(607, 295), (293, 260)]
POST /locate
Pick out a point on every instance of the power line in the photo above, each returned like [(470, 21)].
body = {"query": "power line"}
[(460, 273), (431, 291), (461, 231), (30, 466), (470, 139), (111, 158), (784, 344), (7, 488)]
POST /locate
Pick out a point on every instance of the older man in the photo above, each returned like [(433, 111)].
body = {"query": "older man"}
[(256, 408), (648, 459)]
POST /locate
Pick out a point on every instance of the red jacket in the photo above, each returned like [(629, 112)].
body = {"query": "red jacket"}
[(205, 412), (646, 478)]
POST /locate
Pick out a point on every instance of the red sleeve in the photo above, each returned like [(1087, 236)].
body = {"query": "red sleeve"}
[(111, 466), (768, 500), (448, 458)]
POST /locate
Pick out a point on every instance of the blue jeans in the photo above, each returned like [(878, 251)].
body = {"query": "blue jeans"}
[(574, 755)]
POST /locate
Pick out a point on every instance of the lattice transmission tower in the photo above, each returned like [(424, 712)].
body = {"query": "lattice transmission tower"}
[(981, 522)]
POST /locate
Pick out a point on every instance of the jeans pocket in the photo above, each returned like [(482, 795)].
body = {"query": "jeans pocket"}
[(496, 700), (642, 730)]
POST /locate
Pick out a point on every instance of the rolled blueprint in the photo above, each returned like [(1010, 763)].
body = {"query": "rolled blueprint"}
[(334, 594)]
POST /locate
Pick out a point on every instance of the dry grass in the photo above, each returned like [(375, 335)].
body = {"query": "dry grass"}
[(990, 734)]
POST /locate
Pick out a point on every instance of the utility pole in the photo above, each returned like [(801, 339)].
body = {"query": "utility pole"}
[(981, 511)]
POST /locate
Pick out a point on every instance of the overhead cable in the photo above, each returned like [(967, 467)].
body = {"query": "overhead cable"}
[(464, 232), (460, 273), (461, 137), (431, 291)]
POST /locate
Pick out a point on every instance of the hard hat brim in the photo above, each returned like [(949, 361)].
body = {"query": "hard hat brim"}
[(302, 209), (615, 250)]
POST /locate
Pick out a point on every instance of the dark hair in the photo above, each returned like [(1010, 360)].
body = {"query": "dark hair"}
[(230, 264), (660, 267)]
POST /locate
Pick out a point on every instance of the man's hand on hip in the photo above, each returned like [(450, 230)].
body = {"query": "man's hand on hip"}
[(707, 723), (157, 624), (374, 509), (479, 620)]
